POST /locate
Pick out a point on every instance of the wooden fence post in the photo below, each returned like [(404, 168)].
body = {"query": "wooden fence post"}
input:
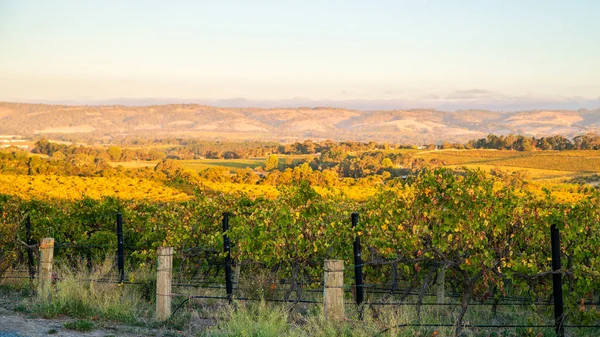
[(333, 292), (46, 258), (163, 283)]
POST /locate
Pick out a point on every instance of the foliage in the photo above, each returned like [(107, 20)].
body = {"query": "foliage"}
[(271, 163), (296, 231), (491, 230), (590, 141), (10, 220), (71, 188)]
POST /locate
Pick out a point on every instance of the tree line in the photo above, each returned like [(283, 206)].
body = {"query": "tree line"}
[(589, 141)]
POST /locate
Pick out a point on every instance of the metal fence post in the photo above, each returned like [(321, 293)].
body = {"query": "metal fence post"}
[(120, 249), (358, 265), (227, 250), (557, 282), (29, 249)]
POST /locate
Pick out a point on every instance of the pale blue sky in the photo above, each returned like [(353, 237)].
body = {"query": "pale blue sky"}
[(407, 50)]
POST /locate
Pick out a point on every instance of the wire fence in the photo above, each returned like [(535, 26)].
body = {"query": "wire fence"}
[(221, 279)]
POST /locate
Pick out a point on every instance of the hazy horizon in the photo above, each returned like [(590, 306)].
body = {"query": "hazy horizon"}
[(508, 55), (511, 105)]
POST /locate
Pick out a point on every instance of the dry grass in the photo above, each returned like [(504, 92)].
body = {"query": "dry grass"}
[(135, 164), (81, 293)]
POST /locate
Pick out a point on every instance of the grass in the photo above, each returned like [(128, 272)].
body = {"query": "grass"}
[(252, 320), (22, 308), (266, 320), (93, 303), (80, 325), (201, 164), (73, 296), (134, 164)]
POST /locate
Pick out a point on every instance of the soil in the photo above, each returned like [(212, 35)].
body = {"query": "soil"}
[(16, 324), (25, 326)]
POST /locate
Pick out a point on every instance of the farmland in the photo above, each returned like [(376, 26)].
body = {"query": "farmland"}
[(536, 165), (565, 163), (199, 165), (481, 216)]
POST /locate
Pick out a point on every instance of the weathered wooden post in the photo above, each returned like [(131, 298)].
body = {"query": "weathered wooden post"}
[(333, 292), (163, 283), (46, 258)]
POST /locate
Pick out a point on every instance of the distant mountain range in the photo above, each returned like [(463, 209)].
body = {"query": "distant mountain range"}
[(414, 126)]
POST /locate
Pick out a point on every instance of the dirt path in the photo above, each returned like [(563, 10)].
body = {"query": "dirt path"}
[(15, 323), (11, 325)]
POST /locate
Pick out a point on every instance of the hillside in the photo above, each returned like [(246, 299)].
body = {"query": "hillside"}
[(286, 124)]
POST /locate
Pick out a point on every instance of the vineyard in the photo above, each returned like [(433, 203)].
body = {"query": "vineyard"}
[(73, 187), (485, 235), (565, 161)]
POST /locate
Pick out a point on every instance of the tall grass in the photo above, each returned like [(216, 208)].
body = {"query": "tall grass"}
[(252, 320), (78, 293), (266, 320)]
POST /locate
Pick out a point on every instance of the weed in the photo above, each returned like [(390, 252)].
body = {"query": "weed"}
[(80, 325), (21, 308)]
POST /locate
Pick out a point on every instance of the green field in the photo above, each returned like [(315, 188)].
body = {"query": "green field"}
[(200, 164)]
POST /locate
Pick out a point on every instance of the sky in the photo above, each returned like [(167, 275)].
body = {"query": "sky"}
[(417, 52)]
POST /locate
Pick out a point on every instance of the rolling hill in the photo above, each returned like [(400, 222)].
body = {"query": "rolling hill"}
[(286, 124)]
